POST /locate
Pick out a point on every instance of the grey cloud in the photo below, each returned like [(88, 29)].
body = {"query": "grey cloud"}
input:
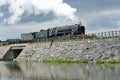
[(102, 21), (37, 18), (86, 6)]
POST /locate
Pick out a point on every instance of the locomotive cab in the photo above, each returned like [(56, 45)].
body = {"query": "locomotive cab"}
[(81, 29)]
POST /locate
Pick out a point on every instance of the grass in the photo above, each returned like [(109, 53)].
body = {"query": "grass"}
[(72, 60), (65, 60), (111, 61)]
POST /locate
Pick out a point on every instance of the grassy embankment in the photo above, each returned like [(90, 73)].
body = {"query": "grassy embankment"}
[(72, 60), (111, 61), (65, 60), (80, 60)]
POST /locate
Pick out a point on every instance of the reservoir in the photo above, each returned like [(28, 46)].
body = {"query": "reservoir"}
[(10, 70)]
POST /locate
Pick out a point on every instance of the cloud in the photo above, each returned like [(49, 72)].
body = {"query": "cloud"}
[(3, 2), (103, 13), (1, 15), (18, 7), (103, 20)]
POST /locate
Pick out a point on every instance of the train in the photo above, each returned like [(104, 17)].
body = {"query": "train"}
[(75, 29)]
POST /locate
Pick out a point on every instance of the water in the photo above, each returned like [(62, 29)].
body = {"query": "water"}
[(52, 71)]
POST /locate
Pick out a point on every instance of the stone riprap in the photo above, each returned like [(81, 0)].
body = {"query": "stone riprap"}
[(87, 49)]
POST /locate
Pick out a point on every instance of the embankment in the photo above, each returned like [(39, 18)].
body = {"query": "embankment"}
[(87, 49)]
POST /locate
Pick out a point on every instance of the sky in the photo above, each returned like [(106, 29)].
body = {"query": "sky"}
[(24, 16)]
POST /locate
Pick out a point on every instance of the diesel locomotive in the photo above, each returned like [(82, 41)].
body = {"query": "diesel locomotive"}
[(76, 29)]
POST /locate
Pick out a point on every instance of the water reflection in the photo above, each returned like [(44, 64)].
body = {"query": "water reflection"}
[(13, 67), (40, 71)]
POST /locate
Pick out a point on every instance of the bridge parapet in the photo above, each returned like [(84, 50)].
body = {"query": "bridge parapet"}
[(17, 47)]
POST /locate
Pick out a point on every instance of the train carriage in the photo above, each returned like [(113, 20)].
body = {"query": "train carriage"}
[(28, 36), (42, 34)]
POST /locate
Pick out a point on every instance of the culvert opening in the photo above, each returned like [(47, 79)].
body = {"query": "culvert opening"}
[(11, 54)]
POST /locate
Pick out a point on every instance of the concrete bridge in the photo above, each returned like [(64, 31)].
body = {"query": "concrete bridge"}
[(13, 51)]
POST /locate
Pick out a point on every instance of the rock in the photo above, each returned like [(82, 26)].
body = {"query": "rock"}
[(90, 50)]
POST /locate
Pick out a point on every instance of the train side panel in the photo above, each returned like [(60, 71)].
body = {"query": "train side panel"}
[(41, 34), (28, 36)]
